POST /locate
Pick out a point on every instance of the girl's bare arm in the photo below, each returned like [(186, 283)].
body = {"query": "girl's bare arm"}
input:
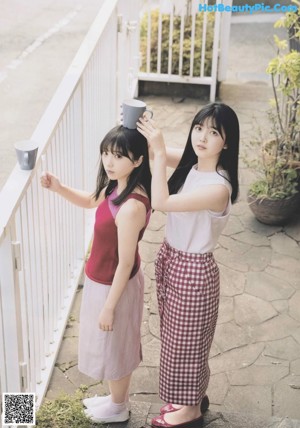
[(76, 197), (211, 197), (173, 156), (130, 220)]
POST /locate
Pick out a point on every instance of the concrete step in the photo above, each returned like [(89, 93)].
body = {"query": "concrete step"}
[(250, 90)]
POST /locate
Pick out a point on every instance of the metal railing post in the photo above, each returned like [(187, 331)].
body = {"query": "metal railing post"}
[(10, 314), (224, 42)]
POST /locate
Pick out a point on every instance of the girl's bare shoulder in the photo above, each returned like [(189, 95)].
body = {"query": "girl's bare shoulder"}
[(132, 213), (140, 191)]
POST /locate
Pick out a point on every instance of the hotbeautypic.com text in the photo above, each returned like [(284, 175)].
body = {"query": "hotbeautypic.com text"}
[(246, 8)]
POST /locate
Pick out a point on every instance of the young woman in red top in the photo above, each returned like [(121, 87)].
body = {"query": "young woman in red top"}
[(112, 301)]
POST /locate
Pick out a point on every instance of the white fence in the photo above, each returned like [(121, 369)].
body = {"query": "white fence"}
[(43, 239), (183, 45)]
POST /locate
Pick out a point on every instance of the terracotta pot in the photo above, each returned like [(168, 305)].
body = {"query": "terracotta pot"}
[(274, 211)]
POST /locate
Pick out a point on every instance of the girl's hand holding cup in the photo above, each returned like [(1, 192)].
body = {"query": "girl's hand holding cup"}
[(153, 135)]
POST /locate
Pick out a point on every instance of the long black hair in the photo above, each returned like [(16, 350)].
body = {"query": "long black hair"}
[(226, 122), (131, 144)]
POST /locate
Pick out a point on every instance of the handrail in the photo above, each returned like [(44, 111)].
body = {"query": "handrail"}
[(18, 181)]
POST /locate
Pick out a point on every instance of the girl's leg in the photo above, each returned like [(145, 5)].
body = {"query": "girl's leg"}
[(115, 410), (170, 407), (119, 389), (185, 414), (119, 395)]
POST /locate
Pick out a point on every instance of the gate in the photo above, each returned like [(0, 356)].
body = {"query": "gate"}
[(179, 44)]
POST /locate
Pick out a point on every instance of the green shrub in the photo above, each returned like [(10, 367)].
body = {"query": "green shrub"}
[(66, 411), (176, 43)]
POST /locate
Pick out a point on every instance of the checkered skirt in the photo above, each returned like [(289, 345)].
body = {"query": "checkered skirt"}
[(188, 299)]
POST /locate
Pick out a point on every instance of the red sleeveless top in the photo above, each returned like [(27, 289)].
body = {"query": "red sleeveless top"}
[(103, 260)]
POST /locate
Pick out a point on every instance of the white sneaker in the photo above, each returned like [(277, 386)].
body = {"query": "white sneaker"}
[(96, 400), (99, 400), (119, 417)]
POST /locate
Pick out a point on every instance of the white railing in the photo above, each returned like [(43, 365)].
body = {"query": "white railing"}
[(197, 64), (44, 239)]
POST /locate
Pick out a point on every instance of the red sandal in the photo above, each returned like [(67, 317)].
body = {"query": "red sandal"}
[(159, 422), (169, 408)]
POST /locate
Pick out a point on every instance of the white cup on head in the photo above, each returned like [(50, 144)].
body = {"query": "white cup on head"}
[(132, 110), (26, 151)]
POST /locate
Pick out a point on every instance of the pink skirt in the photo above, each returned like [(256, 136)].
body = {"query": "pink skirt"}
[(188, 300), (111, 355)]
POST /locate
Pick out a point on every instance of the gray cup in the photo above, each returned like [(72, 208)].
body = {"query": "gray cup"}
[(132, 111), (26, 153)]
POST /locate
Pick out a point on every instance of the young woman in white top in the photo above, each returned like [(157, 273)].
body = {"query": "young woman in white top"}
[(197, 199)]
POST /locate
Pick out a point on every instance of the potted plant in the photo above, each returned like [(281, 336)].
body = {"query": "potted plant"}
[(291, 21), (274, 196)]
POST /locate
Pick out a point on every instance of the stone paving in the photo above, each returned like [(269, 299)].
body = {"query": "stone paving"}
[(255, 357)]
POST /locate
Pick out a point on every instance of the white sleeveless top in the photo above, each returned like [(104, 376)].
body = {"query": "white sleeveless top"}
[(198, 231)]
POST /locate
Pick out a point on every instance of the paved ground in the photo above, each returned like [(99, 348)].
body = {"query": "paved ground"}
[(255, 357)]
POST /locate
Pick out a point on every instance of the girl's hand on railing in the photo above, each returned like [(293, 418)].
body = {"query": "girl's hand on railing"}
[(50, 181)]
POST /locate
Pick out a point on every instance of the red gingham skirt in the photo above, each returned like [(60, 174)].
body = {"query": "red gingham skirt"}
[(188, 290)]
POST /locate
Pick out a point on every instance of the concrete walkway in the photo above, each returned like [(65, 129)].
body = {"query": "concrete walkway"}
[(255, 357)]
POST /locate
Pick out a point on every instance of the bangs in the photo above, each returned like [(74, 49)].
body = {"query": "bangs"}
[(116, 145), (214, 119)]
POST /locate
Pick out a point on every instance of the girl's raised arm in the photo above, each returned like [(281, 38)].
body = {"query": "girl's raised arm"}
[(211, 197), (76, 197), (173, 155)]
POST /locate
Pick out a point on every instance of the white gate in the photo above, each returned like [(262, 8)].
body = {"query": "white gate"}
[(182, 45)]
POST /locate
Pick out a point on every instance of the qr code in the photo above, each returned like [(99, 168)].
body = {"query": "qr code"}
[(18, 409)]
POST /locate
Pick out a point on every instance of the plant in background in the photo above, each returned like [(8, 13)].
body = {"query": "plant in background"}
[(280, 160), (274, 196), (285, 74), (291, 21), (285, 118), (275, 178), (199, 19), (277, 181), (65, 411)]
